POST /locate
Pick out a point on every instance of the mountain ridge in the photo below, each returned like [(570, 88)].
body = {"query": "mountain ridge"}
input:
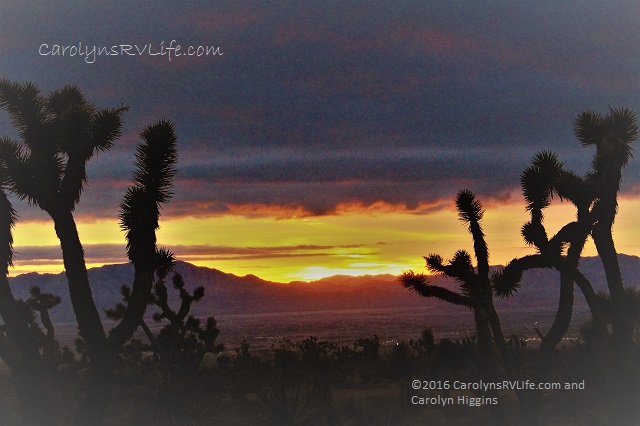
[(227, 293)]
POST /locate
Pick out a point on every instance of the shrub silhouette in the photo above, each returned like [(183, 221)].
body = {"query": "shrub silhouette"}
[(287, 401)]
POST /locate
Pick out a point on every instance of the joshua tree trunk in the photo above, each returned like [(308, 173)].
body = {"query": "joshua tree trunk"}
[(152, 340), (622, 389), (501, 344), (50, 344), (98, 394), (140, 296), (530, 403), (489, 363), (560, 326)]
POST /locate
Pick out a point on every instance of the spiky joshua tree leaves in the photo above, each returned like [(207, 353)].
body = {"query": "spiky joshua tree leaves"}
[(475, 292), (460, 266)]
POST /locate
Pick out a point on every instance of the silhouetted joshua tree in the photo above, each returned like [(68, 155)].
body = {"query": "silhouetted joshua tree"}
[(59, 133), (184, 341), (595, 199), (41, 302), (612, 136), (540, 181), (475, 293), (139, 215)]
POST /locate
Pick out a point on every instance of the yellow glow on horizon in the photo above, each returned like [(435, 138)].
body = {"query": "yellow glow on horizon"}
[(354, 243), (42, 233)]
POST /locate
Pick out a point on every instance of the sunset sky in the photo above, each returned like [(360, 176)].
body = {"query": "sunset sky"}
[(330, 137)]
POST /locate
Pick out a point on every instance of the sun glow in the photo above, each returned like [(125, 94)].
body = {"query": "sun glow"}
[(308, 248)]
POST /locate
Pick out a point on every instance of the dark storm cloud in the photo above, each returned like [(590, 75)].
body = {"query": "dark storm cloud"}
[(315, 105)]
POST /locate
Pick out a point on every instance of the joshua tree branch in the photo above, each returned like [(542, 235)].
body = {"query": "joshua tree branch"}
[(418, 283)]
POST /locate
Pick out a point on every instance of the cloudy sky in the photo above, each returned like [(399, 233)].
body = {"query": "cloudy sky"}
[(329, 137)]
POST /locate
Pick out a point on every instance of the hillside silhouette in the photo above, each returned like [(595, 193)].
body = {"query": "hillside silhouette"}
[(231, 294)]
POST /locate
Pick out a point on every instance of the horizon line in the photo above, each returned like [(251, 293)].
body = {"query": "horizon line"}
[(263, 279)]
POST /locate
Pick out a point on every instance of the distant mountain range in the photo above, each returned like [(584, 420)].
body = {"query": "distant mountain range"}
[(231, 294)]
